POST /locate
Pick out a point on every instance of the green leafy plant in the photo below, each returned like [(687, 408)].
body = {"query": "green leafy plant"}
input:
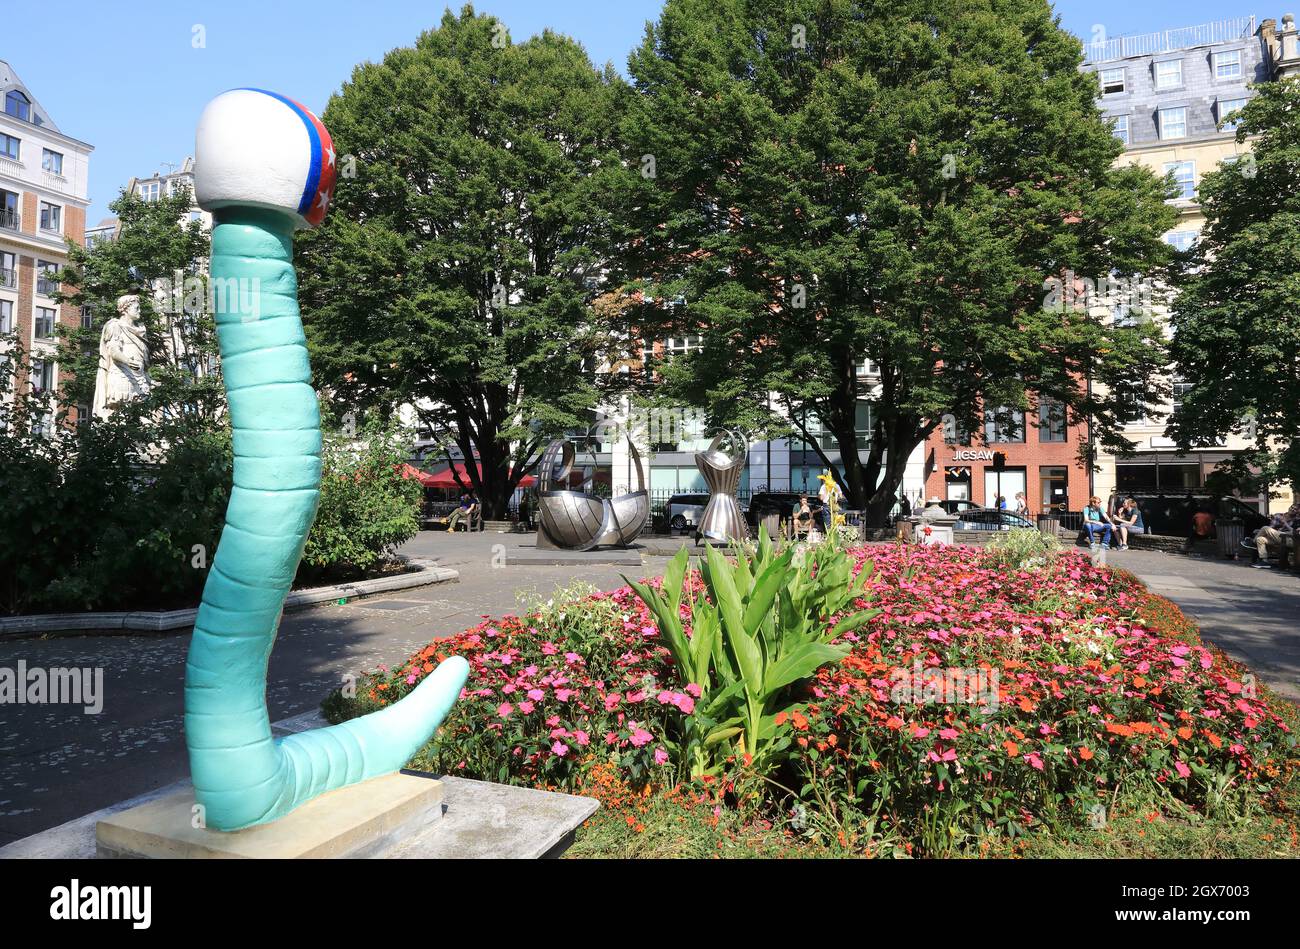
[(759, 626), (1023, 548)]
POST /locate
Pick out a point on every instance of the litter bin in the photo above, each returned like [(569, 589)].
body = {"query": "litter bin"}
[(1231, 533), (773, 524), (1049, 524)]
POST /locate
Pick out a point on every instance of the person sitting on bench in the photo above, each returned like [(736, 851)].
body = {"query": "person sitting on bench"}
[(1128, 518), (461, 513), (803, 518), (1096, 521), (1272, 538)]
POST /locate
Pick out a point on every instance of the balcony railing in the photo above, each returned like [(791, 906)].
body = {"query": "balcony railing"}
[(9, 218), (9, 278), (1164, 41), (46, 287)]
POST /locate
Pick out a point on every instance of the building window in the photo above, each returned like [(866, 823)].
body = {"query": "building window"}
[(1227, 65), (45, 319), (1226, 108), (51, 217), (10, 147), (87, 318), (1180, 389), (9, 210), (1173, 122), (1184, 173), (1112, 81), (52, 161), (46, 284), (1052, 421), (681, 345), (1181, 241), (1169, 74), (6, 316), (42, 376), (1121, 128), (18, 105), (148, 190), (1004, 425), (8, 269)]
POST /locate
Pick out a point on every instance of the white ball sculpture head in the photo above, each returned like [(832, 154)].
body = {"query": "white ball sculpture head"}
[(259, 149)]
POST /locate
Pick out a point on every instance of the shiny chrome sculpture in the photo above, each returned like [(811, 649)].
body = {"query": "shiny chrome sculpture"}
[(575, 520), (722, 519)]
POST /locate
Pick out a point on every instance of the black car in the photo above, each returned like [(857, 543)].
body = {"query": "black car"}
[(988, 519), (781, 503), (957, 507)]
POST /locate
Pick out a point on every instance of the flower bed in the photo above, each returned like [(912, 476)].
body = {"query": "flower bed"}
[(981, 700)]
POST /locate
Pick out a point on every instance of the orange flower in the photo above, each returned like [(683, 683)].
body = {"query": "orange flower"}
[(1011, 747), (1138, 682), (1085, 752), (1025, 704), (799, 720), (1117, 729), (1184, 733), (780, 718)]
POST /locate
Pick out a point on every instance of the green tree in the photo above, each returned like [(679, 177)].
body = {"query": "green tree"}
[(1237, 319), (467, 239), (827, 182)]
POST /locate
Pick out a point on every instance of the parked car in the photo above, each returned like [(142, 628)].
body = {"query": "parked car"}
[(1172, 516), (988, 519), (957, 507), (781, 503), (683, 511)]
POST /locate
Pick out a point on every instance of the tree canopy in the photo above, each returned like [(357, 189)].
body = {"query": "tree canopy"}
[(470, 233), (827, 182)]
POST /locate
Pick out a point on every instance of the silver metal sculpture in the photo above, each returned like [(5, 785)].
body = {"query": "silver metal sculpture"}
[(722, 519), (576, 520)]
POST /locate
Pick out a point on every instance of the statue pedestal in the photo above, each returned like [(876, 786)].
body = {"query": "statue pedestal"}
[(361, 820)]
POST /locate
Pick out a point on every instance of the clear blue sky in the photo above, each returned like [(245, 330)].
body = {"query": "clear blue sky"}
[(126, 77)]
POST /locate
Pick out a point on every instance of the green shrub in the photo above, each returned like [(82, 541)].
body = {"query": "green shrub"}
[(367, 508), (1023, 548)]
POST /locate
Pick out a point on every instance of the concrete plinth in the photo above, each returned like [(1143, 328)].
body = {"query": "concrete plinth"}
[(362, 820)]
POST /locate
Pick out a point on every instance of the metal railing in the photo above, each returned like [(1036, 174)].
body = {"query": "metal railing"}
[(9, 277), (1164, 41), (46, 287), (9, 218)]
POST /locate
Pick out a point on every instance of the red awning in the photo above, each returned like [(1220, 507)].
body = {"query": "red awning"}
[(445, 478), (410, 471)]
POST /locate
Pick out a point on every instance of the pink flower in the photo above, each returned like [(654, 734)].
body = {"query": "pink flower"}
[(553, 721), (410, 680), (686, 703), (560, 749), (948, 734), (536, 694), (559, 732), (504, 709), (1182, 769), (572, 657), (581, 738), (562, 695), (612, 700), (640, 737), (526, 707), (549, 649), (1034, 760), (694, 689), (661, 756)]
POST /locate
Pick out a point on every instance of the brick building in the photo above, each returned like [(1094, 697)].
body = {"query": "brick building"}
[(43, 201), (1041, 459)]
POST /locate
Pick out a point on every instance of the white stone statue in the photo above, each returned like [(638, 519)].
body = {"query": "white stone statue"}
[(123, 359)]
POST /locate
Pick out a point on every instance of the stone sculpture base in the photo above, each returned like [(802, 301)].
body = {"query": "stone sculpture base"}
[(361, 820)]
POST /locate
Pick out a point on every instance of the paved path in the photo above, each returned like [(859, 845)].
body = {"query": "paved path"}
[(1253, 615), (135, 743)]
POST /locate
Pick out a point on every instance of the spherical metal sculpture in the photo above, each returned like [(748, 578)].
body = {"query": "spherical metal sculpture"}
[(576, 520), (722, 519)]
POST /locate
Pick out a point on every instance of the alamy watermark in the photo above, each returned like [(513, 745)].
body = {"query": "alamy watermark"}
[(37, 685), (920, 685)]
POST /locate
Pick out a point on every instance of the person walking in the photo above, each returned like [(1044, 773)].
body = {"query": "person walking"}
[(1096, 521), (1022, 504)]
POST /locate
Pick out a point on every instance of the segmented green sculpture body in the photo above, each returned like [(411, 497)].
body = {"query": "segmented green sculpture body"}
[(242, 776)]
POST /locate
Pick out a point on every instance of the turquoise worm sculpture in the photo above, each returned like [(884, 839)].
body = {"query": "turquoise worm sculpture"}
[(264, 166)]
